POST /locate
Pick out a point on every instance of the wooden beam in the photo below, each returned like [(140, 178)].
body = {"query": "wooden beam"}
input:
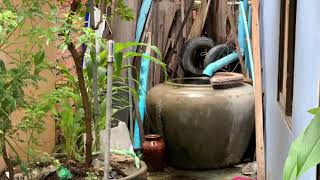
[(197, 26), (258, 91), (217, 21)]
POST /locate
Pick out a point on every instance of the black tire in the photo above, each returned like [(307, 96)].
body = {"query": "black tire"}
[(216, 53), (193, 66)]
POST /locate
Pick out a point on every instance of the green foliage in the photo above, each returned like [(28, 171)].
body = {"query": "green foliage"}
[(19, 28), (68, 108), (21, 22), (122, 10), (12, 84), (13, 81), (8, 22), (123, 51), (304, 151), (68, 102)]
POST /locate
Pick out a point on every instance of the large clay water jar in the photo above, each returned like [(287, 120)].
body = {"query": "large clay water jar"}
[(204, 127)]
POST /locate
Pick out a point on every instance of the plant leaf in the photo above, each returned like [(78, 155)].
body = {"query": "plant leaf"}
[(2, 66), (39, 57), (314, 111), (308, 156), (118, 63), (290, 167)]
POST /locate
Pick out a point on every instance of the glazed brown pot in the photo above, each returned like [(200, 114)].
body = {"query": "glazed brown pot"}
[(153, 149), (204, 127)]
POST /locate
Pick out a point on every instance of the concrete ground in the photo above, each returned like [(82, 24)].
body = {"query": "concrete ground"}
[(172, 174)]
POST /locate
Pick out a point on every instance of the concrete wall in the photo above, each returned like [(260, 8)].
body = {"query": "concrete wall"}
[(307, 74)]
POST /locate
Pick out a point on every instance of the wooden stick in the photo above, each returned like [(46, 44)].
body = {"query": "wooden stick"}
[(182, 18), (235, 39), (206, 14), (258, 91)]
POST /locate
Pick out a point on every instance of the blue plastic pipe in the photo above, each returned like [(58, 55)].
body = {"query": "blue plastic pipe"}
[(247, 35), (246, 5), (241, 32), (145, 8), (144, 70), (247, 60), (214, 67)]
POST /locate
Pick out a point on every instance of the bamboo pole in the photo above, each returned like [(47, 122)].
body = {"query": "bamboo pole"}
[(258, 91)]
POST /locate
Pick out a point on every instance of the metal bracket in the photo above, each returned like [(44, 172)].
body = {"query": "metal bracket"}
[(110, 45)]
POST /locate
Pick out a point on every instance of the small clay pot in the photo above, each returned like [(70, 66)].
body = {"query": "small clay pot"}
[(153, 149)]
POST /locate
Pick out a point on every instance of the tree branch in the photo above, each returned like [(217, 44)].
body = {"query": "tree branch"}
[(78, 60)]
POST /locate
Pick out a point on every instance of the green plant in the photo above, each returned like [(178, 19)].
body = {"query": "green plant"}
[(22, 42), (12, 84), (86, 78), (70, 26), (304, 151), (69, 109), (70, 113)]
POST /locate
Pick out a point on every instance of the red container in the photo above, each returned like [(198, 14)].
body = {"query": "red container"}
[(153, 149)]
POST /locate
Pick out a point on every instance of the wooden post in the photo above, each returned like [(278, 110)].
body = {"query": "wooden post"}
[(198, 23), (258, 91), (217, 21)]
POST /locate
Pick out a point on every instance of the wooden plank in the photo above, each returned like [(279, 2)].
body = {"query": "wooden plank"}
[(197, 27), (184, 32), (157, 34), (124, 31), (169, 10), (259, 122), (190, 18), (205, 14), (163, 16), (217, 26), (175, 59), (168, 56)]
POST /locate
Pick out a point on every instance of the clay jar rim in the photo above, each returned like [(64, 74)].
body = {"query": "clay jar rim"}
[(219, 80), (154, 137), (175, 82)]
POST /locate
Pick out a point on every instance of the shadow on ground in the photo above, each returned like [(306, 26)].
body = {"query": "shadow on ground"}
[(172, 174)]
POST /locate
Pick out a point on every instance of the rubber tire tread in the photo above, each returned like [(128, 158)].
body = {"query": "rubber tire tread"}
[(216, 53), (187, 51)]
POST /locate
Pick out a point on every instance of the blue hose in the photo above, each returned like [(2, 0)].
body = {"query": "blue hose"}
[(214, 67)]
